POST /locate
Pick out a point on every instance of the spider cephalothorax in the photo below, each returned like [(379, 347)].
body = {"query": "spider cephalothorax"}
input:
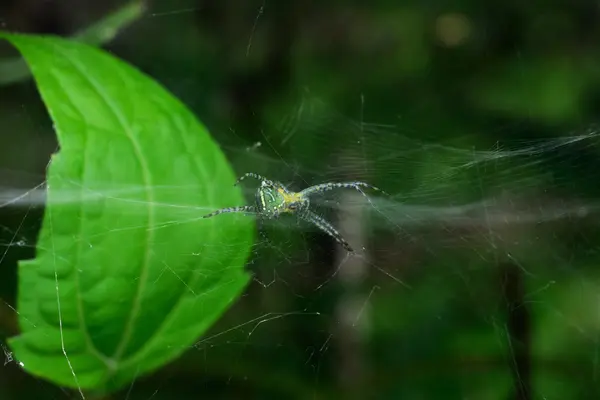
[(274, 199)]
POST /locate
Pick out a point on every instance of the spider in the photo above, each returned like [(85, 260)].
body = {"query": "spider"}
[(274, 199)]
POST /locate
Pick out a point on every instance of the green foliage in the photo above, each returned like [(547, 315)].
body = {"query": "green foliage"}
[(549, 90), (127, 274)]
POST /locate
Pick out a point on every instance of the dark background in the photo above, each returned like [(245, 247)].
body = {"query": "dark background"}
[(482, 275)]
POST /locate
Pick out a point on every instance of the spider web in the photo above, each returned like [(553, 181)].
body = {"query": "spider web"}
[(458, 214), (425, 232)]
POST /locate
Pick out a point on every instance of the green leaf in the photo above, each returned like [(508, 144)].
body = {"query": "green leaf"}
[(127, 274)]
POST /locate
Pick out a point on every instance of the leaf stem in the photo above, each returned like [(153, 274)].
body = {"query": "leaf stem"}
[(13, 70)]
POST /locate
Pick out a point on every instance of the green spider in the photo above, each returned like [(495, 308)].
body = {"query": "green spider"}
[(274, 199)]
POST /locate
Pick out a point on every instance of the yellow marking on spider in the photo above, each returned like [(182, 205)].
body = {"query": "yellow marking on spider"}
[(289, 197), (262, 200)]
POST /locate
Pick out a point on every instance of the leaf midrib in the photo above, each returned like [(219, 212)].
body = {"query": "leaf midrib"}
[(150, 203), (113, 363), (150, 199)]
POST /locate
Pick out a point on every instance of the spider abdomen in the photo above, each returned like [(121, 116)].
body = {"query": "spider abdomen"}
[(269, 201)]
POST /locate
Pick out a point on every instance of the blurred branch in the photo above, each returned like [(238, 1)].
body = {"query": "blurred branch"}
[(518, 328), (15, 69), (351, 319)]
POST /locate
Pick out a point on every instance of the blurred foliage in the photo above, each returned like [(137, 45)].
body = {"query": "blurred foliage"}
[(496, 307)]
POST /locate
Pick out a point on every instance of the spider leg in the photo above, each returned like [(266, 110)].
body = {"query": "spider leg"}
[(326, 227), (245, 209), (325, 187), (252, 175)]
